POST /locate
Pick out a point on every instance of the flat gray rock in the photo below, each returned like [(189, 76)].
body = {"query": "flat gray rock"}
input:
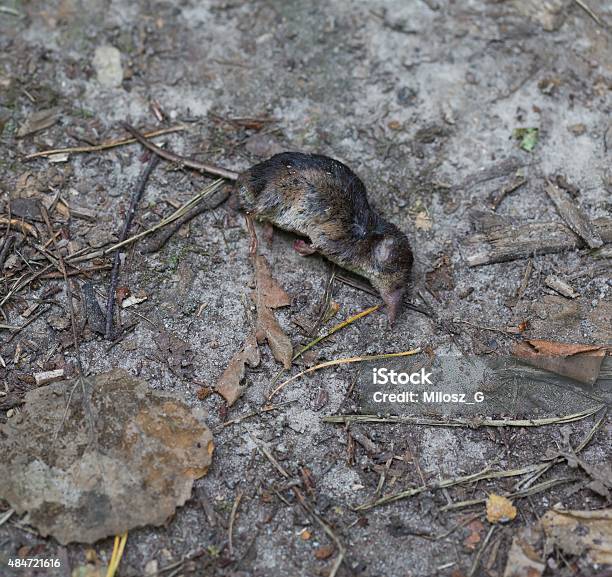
[(146, 451)]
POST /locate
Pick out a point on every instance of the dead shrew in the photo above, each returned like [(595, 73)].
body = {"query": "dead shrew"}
[(322, 199)]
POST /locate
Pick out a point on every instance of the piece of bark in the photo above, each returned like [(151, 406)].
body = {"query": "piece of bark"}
[(229, 384), (560, 286), (26, 208), (574, 216), (506, 243), (576, 361), (38, 121), (81, 212), (6, 247), (93, 313), (48, 376)]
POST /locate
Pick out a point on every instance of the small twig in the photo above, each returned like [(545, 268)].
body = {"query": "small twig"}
[(302, 500), (481, 551), (206, 192), (85, 272), (6, 247), (544, 486), (590, 12), (129, 217), (342, 362), (6, 516), (486, 473), (473, 423), (230, 528), (265, 409), (335, 329), (23, 226), (180, 160), (157, 242), (544, 467), (104, 145), (483, 328), (525, 282), (510, 188)]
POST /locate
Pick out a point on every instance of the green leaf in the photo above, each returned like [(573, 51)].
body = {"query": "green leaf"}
[(528, 137)]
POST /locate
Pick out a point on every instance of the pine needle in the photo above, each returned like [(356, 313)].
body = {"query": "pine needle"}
[(103, 146), (118, 548), (334, 329), (473, 422), (344, 361)]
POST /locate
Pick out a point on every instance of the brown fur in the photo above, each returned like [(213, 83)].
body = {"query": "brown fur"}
[(322, 199)]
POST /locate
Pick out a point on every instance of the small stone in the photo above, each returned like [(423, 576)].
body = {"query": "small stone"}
[(151, 568), (107, 62), (407, 96), (577, 129), (58, 322), (98, 237)]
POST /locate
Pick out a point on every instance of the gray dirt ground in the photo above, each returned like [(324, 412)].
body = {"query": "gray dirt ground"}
[(420, 99)]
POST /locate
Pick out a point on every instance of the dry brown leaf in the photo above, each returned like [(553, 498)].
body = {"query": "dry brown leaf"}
[(580, 532), (229, 384), (268, 295), (524, 559), (500, 509), (324, 552), (149, 448), (475, 527), (274, 296), (269, 330), (557, 349), (28, 185), (577, 361)]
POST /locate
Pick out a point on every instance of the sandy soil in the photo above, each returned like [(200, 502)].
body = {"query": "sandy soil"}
[(421, 99)]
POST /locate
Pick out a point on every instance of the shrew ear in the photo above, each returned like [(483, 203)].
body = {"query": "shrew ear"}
[(383, 250)]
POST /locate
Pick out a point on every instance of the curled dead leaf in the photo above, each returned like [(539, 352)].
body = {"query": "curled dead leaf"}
[(580, 533), (229, 384), (268, 289), (577, 361)]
